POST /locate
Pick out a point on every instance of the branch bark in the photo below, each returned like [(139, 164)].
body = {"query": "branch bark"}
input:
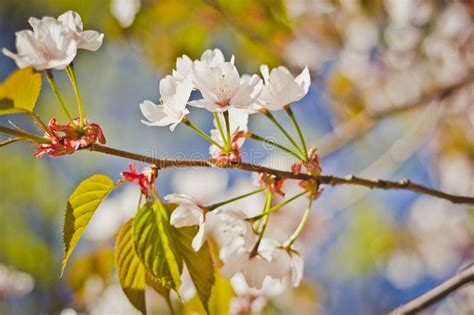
[(322, 179), (438, 293)]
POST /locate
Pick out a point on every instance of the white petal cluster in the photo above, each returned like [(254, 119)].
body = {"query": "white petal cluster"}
[(271, 261), (236, 239), (281, 88), (188, 213), (223, 88), (53, 43), (174, 98)]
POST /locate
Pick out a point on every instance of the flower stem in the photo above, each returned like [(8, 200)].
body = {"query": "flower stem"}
[(268, 203), (72, 77), (188, 123), (227, 127), (267, 141), (54, 88), (221, 131), (298, 129), (279, 126), (300, 227), (277, 207), (24, 135), (219, 204)]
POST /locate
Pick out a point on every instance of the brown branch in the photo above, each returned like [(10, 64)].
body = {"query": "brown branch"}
[(322, 179), (361, 124), (438, 293), (404, 184)]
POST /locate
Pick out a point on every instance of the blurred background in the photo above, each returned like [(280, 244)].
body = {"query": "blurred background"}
[(392, 97)]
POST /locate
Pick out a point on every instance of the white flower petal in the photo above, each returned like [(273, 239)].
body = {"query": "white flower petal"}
[(200, 237)]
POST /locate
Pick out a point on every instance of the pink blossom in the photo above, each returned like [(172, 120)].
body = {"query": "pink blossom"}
[(144, 179), (72, 140)]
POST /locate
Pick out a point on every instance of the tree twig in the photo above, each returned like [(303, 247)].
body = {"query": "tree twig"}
[(322, 179), (438, 293)]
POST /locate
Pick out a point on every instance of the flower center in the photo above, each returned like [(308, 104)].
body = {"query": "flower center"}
[(223, 103)]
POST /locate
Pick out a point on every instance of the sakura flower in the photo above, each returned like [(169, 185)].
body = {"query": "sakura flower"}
[(145, 179), (253, 300), (213, 58), (290, 265), (185, 66), (53, 43), (238, 121), (188, 213), (50, 45), (256, 106), (72, 140), (281, 88), (88, 40), (231, 230), (222, 88), (254, 265), (174, 97), (184, 69)]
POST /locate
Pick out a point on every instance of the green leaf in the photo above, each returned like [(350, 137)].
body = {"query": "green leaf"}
[(200, 265), (219, 303), (20, 91), (80, 207), (130, 270), (156, 246)]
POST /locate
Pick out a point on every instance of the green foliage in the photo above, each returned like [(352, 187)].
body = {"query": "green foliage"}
[(200, 265), (80, 207), (130, 270), (20, 91), (219, 302), (156, 245), (163, 249)]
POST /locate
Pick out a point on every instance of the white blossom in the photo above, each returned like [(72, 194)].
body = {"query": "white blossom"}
[(281, 88), (184, 69), (188, 213), (289, 264), (50, 45), (255, 267), (53, 43), (88, 40), (213, 58), (222, 88), (174, 97), (230, 230)]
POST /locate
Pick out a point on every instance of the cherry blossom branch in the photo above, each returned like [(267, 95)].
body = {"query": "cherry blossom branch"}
[(361, 124), (322, 179), (438, 293)]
